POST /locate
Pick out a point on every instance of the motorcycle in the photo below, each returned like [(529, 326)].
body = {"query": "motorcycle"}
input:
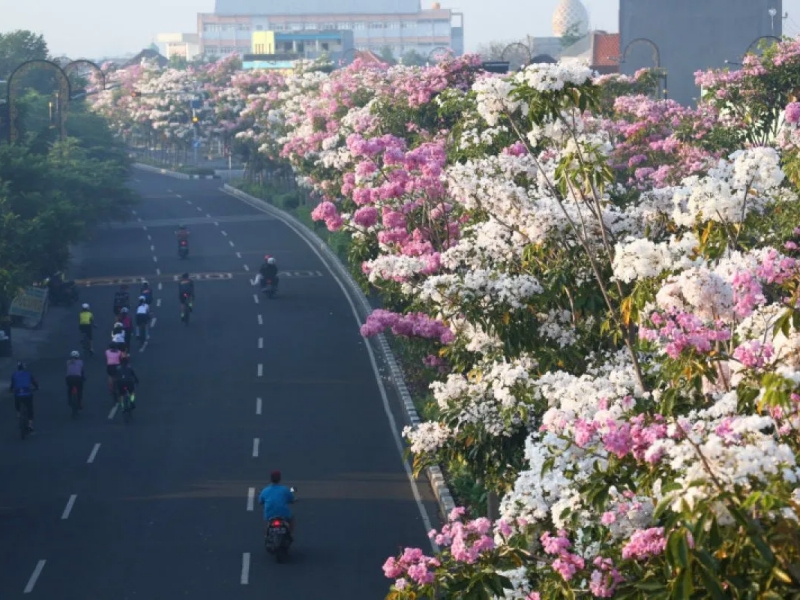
[(183, 248), (269, 288), (278, 538)]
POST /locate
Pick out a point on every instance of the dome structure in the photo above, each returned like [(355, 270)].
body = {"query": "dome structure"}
[(570, 18)]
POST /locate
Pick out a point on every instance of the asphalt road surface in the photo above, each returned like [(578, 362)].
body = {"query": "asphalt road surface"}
[(162, 508)]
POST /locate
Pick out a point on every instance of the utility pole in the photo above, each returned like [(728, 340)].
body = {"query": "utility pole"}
[(194, 135)]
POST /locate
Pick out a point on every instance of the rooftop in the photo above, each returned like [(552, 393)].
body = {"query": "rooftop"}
[(305, 7)]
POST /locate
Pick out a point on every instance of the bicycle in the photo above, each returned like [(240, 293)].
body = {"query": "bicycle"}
[(141, 334), (186, 309), (126, 404), (73, 400), (86, 345), (24, 417)]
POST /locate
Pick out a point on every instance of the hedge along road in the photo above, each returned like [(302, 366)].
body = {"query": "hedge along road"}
[(165, 506)]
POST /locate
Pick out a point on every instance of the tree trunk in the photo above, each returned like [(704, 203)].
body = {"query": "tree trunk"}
[(492, 506)]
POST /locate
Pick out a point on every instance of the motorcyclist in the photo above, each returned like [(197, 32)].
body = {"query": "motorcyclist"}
[(182, 235), (75, 376), (269, 270), (124, 318), (23, 384), (186, 291), (146, 292), (121, 299), (143, 318), (276, 499), (125, 377), (86, 324)]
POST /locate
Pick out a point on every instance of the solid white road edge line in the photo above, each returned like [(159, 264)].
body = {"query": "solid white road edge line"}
[(68, 508), (256, 442), (36, 572), (251, 496), (93, 454), (381, 387), (245, 568), (113, 412), (258, 406)]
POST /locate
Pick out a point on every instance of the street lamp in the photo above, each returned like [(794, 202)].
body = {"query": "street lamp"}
[(656, 58)]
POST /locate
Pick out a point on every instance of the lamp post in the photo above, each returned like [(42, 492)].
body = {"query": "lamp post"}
[(656, 58)]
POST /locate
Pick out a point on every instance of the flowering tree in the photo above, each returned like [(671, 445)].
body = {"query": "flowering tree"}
[(606, 294)]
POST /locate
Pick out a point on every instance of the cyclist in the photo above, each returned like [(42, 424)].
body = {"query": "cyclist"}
[(124, 317), (146, 292), (276, 499), (86, 324), (125, 377), (186, 293), (121, 299), (23, 384), (269, 270), (75, 376), (113, 358), (143, 318), (118, 337)]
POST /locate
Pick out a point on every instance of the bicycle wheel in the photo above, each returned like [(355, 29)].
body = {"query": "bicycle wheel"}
[(86, 346), (23, 420), (73, 401), (126, 407)]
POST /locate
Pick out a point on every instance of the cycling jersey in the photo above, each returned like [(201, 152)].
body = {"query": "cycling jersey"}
[(85, 317), (118, 338), (113, 357), (186, 286), (75, 367)]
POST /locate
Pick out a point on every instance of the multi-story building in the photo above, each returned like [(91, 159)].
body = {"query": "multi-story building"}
[(400, 25), (185, 45), (684, 36)]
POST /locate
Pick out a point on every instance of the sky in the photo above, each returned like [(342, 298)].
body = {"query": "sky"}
[(101, 28)]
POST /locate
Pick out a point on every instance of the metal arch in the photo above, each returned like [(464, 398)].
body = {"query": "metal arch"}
[(758, 39), (543, 58), (517, 45), (64, 93), (651, 43), (82, 61)]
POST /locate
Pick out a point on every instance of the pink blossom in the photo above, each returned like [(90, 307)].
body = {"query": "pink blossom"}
[(645, 543)]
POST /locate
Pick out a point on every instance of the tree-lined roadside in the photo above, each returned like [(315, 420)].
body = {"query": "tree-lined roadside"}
[(52, 192)]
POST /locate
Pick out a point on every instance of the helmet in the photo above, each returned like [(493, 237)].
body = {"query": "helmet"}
[(117, 326), (21, 366), (270, 261), (124, 310), (75, 354), (275, 476), (85, 306), (181, 226), (145, 283), (142, 299), (185, 276), (267, 257)]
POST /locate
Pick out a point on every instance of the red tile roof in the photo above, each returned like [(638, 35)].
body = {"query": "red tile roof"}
[(606, 50)]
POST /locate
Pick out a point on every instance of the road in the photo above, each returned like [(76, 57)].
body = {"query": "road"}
[(161, 508)]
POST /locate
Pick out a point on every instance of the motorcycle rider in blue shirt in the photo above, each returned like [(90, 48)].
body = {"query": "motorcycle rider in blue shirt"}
[(276, 499), (23, 384)]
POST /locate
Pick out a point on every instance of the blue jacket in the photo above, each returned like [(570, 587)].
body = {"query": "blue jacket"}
[(22, 384), (276, 500)]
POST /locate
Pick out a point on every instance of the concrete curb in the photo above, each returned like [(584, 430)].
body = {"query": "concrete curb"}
[(168, 173), (435, 475)]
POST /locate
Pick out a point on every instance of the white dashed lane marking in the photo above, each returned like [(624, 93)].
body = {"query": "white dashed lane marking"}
[(155, 259), (260, 320), (256, 442), (261, 342), (113, 412), (260, 369), (223, 232), (245, 568), (93, 454), (158, 302), (246, 268), (38, 571), (231, 243), (238, 255), (68, 508), (255, 298), (251, 496), (258, 406)]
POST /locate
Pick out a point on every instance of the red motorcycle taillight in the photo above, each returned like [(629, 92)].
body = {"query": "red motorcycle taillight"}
[(276, 523)]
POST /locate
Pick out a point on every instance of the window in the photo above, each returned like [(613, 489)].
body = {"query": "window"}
[(407, 25), (243, 27), (279, 27), (325, 46), (393, 25), (259, 27), (344, 25), (376, 25), (359, 25), (327, 26), (295, 26)]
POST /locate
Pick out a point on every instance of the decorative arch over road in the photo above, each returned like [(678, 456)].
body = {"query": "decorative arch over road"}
[(14, 85)]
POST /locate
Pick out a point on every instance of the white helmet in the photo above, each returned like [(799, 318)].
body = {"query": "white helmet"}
[(75, 354), (142, 299), (124, 310), (271, 260), (117, 326), (85, 306)]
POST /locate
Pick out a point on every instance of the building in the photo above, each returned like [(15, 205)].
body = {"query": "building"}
[(400, 25), (684, 36), (306, 44), (185, 45), (146, 55), (598, 49)]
